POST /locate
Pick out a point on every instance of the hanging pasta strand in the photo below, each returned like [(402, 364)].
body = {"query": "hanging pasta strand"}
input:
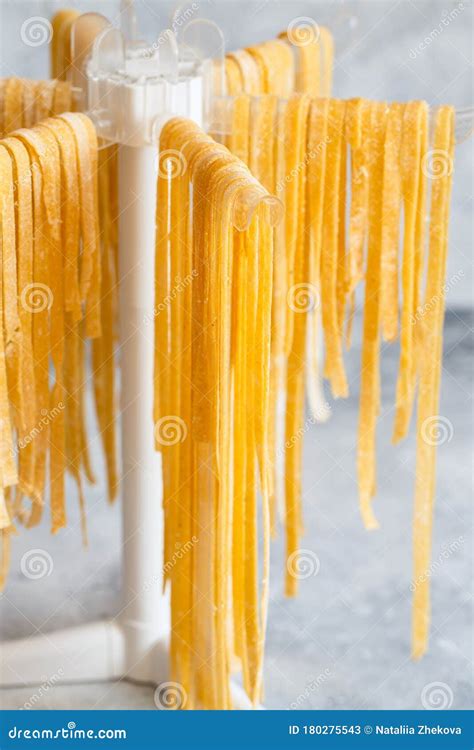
[(278, 337), (103, 346), (24, 253), (60, 50), (411, 167), (317, 140), (391, 222), (297, 301), (294, 195), (275, 62), (334, 366), (304, 40), (250, 71), (7, 466), (11, 319), (431, 325), (370, 379), (211, 480), (358, 137), (40, 254)]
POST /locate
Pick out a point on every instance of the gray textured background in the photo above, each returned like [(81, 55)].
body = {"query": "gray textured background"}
[(345, 641)]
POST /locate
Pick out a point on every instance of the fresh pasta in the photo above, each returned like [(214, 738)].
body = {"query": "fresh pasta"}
[(23, 102), (42, 254), (219, 345), (260, 281)]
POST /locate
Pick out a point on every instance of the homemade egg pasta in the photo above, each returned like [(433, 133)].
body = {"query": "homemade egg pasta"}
[(300, 60), (210, 344), (23, 103), (44, 252), (262, 241)]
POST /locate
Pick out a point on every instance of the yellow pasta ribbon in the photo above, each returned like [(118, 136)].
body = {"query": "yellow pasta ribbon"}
[(430, 375)]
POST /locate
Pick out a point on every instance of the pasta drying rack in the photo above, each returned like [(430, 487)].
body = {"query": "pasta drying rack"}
[(130, 89)]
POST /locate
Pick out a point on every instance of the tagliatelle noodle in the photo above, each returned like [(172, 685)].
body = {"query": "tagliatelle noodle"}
[(7, 465), (88, 202), (410, 164), (233, 76), (262, 165), (357, 133), (62, 99), (343, 273), (238, 141), (370, 378), (391, 222), (36, 299), (306, 50), (71, 211), (334, 366), (93, 313), (210, 321), (420, 237), (295, 146), (24, 254), (251, 72), (298, 293), (315, 176), (44, 98), (47, 150), (276, 63), (430, 374), (29, 103), (60, 50), (11, 320), (101, 308), (103, 346), (72, 300), (278, 336)]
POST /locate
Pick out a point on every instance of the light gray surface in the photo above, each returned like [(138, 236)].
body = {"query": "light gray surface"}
[(349, 629), (348, 632)]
